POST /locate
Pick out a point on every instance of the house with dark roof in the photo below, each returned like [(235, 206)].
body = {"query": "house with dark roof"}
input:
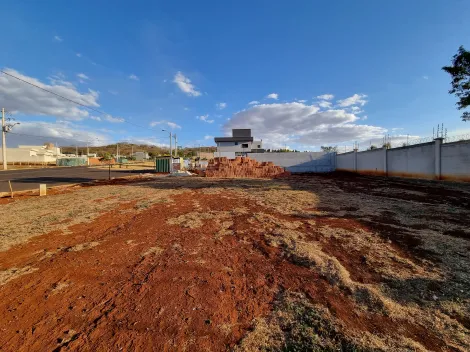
[(239, 144)]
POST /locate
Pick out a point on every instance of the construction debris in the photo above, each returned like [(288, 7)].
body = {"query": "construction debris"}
[(243, 167), (181, 173)]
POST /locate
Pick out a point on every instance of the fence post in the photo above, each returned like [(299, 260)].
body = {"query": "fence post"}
[(437, 157), (355, 159), (385, 161)]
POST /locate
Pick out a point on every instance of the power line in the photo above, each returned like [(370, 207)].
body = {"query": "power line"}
[(68, 99), (46, 90)]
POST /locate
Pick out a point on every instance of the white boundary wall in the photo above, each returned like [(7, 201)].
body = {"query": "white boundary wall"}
[(300, 161), (435, 160)]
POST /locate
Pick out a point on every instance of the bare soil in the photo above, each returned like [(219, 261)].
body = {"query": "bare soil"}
[(330, 262)]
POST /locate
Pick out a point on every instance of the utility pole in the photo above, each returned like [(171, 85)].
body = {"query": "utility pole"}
[(4, 141), (171, 151), (176, 145), (76, 151), (132, 150), (117, 152), (87, 155)]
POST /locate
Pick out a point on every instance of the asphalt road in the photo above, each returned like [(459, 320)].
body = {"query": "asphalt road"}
[(22, 180)]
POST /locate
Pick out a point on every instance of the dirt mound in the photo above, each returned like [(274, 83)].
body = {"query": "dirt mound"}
[(243, 167)]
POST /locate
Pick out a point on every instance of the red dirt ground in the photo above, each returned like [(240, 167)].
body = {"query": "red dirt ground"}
[(195, 292)]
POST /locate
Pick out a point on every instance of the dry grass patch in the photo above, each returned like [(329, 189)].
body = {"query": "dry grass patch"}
[(152, 250), (194, 220), (82, 246), (40, 215), (13, 273), (298, 325)]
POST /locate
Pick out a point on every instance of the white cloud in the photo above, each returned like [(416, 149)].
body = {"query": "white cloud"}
[(62, 134), (24, 98), (147, 141), (204, 118), (356, 99), (221, 106), (186, 109), (208, 137), (133, 77), (274, 96), (425, 77), (173, 125), (253, 102), (296, 123), (82, 76), (96, 118), (59, 80), (57, 38), (113, 92), (301, 101), (170, 124), (185, 85), (112, 119), (326, 97), (79, 55), (324, 104)]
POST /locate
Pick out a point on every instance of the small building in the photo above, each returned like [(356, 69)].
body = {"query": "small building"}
[(239, 144), (141, 156)]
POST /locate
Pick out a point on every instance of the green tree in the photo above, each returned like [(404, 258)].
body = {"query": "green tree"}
[(372, 147), (329, 149), (106, 157), (460, 72)]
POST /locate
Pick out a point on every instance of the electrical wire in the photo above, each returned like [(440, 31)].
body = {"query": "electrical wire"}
[(70, 100)]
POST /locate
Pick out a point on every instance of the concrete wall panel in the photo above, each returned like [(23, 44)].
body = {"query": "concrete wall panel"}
[(299, 162), (455, 161), (371, 162), (345, 162), (413, 161)]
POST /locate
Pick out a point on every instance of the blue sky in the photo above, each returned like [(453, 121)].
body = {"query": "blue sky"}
[(194, 67)]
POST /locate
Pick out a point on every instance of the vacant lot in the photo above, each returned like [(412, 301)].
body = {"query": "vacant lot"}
[(192, 264)]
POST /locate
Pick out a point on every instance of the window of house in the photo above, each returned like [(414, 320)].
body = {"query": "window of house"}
[(259, 145), (244, 145), (236, 143)]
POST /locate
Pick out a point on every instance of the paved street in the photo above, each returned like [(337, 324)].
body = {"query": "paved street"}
[(30, 179)]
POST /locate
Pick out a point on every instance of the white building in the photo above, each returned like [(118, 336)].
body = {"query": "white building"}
[(239, 144), (33, 154)]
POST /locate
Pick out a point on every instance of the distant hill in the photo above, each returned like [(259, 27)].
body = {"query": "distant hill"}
[(125, 149)]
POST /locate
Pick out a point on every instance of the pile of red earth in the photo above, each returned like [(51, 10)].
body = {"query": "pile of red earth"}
[(243, 167)]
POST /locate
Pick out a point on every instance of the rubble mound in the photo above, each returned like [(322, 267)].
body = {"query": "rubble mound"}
[(243, 167)]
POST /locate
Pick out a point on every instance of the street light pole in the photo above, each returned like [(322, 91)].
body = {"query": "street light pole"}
[(171, 152), (176, 145), (4, 142)]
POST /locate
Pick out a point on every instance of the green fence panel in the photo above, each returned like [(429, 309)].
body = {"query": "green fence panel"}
[(72, 162), (162, 165)]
